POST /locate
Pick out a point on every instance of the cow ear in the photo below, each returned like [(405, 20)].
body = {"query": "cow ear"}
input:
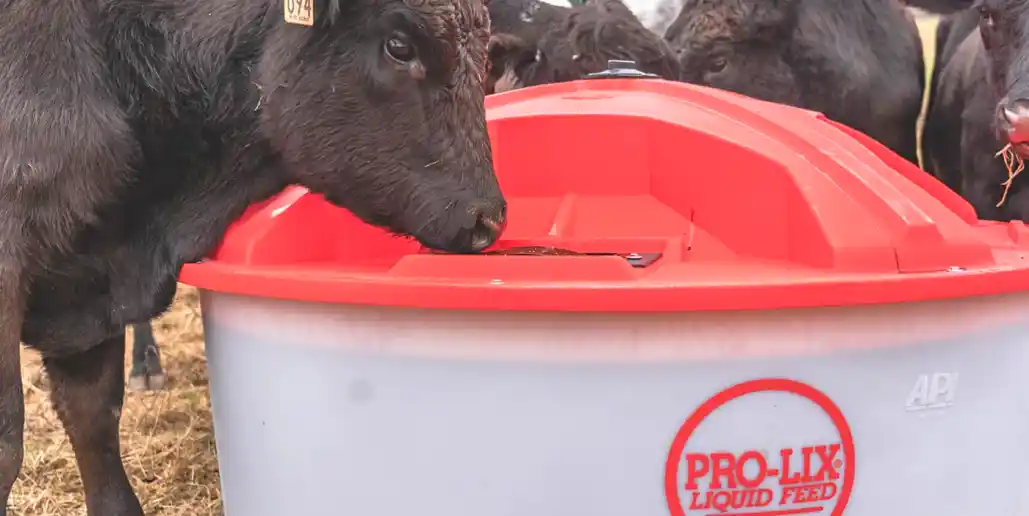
[(502, 45)]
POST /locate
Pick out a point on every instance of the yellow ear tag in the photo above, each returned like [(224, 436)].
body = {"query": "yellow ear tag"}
[(300, 12)]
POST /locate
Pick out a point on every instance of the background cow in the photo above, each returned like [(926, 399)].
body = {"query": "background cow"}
[(132, 132), (526, 19), (951, 31), (940, 6), (146, 372), (981, 104), (564, 44), (857, 61)]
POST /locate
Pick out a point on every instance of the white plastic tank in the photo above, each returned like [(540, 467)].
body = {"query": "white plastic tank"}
[(769, 314)]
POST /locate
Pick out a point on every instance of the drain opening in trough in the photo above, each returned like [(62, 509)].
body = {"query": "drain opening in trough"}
[(637, 260)]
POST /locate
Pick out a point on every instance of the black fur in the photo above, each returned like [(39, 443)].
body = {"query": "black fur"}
[(566, 44), (940, 6), (146, 373), (132, 132), (857, 61), (965, 127), (526, 19), (951, 32)]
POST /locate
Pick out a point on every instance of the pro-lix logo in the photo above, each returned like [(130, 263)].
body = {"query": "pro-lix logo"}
[(744, 476), (726, 481)]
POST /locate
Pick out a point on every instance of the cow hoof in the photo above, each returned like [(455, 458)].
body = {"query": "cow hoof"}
[(146, 382)]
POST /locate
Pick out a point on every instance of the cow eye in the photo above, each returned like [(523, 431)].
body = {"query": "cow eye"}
[(717, 64), (986, 16), (399, 49)]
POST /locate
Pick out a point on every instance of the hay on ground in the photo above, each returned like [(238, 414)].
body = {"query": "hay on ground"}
[(167, 438)]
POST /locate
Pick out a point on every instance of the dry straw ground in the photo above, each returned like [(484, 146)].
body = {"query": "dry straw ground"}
[(167, 438)]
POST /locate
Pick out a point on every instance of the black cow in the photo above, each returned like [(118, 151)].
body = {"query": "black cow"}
[(132, 132), (980, 105), (543, 44), (941, 118), (940, 6), (857, 61), (526, 19), (146, 373), (950, 32)]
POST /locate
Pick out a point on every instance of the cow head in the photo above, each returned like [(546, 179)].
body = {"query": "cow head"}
[(379, 106), (580, 42), (738, 45), (1004, 29)]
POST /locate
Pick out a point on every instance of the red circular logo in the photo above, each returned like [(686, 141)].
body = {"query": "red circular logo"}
[(808, 477)]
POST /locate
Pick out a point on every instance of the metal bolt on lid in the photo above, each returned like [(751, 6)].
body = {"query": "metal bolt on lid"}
[(620, 69)]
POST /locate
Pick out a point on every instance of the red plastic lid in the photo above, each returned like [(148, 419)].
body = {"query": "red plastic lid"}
[(751, 205)]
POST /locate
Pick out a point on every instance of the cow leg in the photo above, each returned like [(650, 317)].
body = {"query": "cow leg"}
[(147, 373), (12, 404), (88, 389)]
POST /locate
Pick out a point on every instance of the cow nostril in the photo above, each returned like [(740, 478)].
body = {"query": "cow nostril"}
[(490, 224), (1014, 117), (495, 223), (1016, 120), (488, 228)]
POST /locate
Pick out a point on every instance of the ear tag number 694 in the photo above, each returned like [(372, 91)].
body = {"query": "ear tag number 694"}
[(299, 12)]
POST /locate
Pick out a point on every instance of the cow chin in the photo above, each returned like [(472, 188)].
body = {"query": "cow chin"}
[(440, 214)]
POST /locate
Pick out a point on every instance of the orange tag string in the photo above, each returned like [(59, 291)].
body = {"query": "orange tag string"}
[(1013, 162)]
